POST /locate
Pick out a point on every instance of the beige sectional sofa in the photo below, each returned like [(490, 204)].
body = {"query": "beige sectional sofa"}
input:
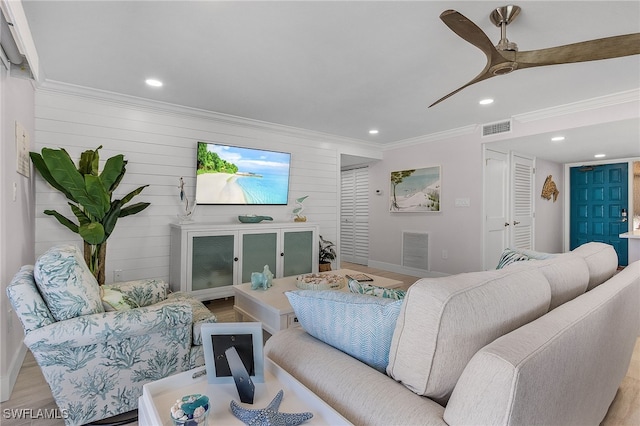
[(538, 342)]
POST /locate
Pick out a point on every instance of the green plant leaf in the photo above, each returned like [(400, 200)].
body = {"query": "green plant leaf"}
[(63, 220), (89, 162), (133, 209), (132, 194), (100, 200), (110, 219), (117, 182), (83, 219), (93, 233), (113, 172), (42, 168), (65, 173)]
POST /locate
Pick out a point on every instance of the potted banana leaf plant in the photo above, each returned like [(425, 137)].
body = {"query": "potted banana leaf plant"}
[(90, 193)]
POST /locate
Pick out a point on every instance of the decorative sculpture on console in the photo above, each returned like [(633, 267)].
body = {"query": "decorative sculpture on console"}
[(297, 212), (262, 280), (185, 215)]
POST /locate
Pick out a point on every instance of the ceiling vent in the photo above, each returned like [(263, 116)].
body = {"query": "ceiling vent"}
[(496, 128)]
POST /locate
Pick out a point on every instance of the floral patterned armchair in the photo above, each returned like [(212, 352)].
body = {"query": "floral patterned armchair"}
[(96, 360)]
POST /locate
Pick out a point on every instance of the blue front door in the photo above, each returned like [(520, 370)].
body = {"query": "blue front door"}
[(598, 196)]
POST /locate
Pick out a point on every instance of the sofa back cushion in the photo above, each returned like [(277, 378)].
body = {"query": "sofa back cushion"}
[(66, 283), (562, 369), (601, 259), (445, 321), (568, 275), (27, 301)]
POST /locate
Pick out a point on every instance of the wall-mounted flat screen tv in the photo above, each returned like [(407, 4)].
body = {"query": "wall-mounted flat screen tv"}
[(234, 175)]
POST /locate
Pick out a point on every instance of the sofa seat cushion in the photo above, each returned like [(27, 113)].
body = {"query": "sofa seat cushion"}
[(601, 259), (66, 283), (445, 321), (361, 394), (568, 276), (359, 325)]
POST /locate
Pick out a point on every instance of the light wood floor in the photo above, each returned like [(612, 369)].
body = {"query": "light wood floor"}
[(32, 392)]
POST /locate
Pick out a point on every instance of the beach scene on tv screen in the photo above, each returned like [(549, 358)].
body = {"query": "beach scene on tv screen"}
[(235, 175)]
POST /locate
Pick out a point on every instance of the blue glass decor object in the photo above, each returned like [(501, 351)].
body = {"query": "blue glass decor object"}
[(262, 280), (269, 416), (268, 277)]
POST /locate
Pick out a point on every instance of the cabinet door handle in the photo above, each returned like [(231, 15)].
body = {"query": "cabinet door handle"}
[(506, 224), (515, 222), (282, 254), (235, 259)]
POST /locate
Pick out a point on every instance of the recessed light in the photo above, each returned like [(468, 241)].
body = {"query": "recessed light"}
[(153, 82), (600, 155), (373, 132), (557, 138), (486, 101)]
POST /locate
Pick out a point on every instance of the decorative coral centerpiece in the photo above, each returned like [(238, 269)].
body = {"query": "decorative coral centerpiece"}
[(320, 281), (191, 410)]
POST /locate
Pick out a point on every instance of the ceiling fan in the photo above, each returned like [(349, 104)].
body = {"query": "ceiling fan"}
[(505, 57)]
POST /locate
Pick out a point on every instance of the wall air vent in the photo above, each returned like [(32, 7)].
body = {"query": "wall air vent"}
[(496, 128), (415, 250)]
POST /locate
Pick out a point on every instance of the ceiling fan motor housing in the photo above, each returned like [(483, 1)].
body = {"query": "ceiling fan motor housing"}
[(501, 17)]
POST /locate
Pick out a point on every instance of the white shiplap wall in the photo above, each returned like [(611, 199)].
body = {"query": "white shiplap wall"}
[(159, 142)]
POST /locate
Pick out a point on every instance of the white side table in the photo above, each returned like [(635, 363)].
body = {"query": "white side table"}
[(157, 398)]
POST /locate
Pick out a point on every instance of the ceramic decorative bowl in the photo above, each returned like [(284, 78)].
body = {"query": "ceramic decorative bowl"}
[(252, 218)]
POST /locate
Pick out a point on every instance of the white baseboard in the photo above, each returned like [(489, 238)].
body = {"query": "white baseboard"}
[(399, 269), (9, 380)]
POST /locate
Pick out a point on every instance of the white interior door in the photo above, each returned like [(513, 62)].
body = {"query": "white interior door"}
[(354, 216), (522, 211), (496, 179), (508, 204)]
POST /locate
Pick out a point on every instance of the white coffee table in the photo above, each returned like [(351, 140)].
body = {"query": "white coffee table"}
[(158, 397), (272, 308)]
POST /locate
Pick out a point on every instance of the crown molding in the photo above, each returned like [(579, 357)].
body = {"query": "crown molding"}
[(432, 137), (158, 107), (580, 106)]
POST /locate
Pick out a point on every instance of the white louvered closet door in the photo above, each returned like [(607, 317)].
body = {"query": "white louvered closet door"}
[(354, 216), (522, 207)]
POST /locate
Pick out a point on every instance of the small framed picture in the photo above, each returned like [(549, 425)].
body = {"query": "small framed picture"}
[(246, 337)]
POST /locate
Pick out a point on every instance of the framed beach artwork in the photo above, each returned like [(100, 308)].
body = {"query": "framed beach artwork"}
[(415, 190)]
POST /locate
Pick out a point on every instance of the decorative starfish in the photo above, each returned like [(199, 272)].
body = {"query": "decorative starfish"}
[(269, 416)]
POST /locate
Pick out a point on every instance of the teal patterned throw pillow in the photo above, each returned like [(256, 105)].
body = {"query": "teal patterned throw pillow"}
[(67, 285), (516, 255), (356, 286), (361, 326)]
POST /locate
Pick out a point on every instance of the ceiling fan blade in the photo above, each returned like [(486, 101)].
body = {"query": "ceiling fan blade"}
[(470, 32), (592, 50), (485, 74)]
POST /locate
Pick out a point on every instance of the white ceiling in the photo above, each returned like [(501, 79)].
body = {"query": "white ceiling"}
[(336, 67)]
